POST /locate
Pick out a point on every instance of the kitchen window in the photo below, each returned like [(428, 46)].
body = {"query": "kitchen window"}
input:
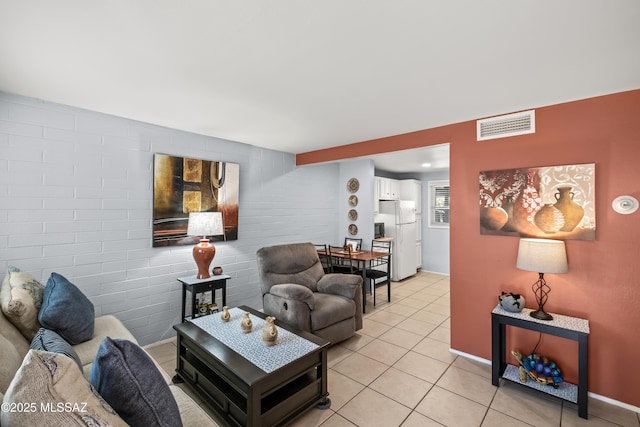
[(439, 204)]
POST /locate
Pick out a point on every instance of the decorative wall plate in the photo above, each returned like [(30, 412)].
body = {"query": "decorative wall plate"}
[(353, 200), (353, 229), (353, 214), (353, 185), (625, 204)]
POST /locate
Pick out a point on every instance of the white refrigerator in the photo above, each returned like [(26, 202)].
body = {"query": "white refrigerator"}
[(399, 217)]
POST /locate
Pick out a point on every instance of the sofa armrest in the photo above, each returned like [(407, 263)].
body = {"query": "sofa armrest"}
[(345, 285), (107, 325), (295, 292)]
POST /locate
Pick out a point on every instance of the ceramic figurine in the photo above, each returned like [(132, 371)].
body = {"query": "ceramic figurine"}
[(246, 324), (225, 316), (269, 331), (511, 302), (202, 309)]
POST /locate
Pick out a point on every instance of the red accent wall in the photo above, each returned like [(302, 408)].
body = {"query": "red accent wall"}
[(603, 282)]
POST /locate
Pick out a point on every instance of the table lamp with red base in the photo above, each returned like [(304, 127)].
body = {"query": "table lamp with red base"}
[(204, 224)]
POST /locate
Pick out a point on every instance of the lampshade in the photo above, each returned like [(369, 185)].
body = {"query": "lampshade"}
[(542, 256), (205, 224)]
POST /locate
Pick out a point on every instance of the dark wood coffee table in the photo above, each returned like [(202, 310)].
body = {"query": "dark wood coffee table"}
[(241, 392)]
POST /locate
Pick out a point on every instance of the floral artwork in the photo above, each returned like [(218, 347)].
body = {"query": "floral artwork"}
[(182, 185), (553, 202)]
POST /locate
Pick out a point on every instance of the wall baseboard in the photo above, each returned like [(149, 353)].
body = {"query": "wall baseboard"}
[(434, 272), (593, 395)]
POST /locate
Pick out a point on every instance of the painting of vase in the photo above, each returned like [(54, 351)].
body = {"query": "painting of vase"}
[(551, 202)]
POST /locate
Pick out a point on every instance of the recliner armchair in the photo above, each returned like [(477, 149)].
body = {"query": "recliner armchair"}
[(296, 290)]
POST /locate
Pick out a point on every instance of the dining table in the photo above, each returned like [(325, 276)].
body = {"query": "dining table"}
[(362, 257)]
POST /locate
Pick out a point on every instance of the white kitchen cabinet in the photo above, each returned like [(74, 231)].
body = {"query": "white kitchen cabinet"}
[(411, 189), (384, 188), (388, 189), (379, 187), (394, 189)]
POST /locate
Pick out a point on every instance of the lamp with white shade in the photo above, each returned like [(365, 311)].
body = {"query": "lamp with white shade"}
[(204, 224), (542, 256)]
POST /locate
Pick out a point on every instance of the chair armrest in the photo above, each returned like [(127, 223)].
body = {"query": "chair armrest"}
[(294, 292), (345, 285)]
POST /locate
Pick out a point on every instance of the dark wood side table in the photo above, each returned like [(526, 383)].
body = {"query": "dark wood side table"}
[(198, 286), (572, 328)]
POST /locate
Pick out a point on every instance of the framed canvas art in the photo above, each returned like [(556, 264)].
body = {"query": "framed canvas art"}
[(182, 185), (552, 202)]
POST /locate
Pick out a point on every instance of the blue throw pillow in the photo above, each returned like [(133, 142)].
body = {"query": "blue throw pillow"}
[(126, 377), (47, 340), (66, 310)]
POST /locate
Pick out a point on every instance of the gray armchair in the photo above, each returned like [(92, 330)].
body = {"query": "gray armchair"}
[(296, 290)]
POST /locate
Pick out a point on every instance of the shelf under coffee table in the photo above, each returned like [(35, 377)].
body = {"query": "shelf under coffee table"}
[(291, 378)]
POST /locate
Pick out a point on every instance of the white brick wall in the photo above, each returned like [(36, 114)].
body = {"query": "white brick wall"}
[(76, 198)]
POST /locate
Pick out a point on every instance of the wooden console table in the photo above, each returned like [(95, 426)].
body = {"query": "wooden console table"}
[(198, 286), (567, 327)]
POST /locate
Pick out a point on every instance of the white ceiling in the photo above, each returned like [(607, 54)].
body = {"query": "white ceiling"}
[(435, 158), (296, 75)]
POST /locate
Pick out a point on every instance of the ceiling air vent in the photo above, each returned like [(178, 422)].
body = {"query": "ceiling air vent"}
[(507, 125)]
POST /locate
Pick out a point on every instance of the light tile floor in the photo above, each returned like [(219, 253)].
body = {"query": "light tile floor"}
[(398, 371)]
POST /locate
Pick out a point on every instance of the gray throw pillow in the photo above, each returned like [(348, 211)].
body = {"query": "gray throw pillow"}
[(53, 382), (47, 340), (126, 377), (66, 310)]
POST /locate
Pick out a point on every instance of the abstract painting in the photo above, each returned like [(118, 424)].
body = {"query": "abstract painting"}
[(182, 185)]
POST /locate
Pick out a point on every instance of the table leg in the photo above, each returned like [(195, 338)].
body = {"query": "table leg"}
[(194, 307), (582, 376), (498, 347), (321, 371), (184, 300), (364, 281), (224, 293)]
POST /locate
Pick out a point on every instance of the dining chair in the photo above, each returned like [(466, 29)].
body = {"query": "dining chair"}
[(325, 257), (379, 272), (356, 244), (342, 261)]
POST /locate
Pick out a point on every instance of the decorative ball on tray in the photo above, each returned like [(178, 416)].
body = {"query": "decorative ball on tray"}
[(539, 368), (511, 302)]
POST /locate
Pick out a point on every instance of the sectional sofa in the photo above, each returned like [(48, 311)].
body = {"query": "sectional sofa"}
[(48, 377)]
